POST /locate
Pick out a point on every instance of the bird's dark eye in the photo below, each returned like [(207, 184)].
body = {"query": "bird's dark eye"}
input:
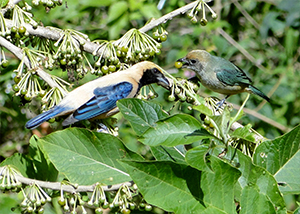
[(193, 61), (155, 70)]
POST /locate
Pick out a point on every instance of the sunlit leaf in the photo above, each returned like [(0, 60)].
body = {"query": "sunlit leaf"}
[(86, 157), (163, 153), (173, 187), (218, 185), (197, 158), (172, 131), (281, 157), (243, 133), (141, 114), (257, 178)]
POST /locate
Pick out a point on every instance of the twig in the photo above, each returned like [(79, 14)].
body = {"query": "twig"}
[(241, 49), (19, 54), (168, 16), (239, 111), (246, 14), (67, 188), (52, 34), (263, 118)]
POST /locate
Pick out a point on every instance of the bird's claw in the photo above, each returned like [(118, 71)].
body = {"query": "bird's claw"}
[(220, 103)]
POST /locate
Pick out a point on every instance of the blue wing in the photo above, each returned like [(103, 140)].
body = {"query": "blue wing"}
[(233, 76), (104, 100)]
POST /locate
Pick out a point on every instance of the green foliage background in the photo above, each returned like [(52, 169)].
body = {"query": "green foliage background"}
[(269, 34)]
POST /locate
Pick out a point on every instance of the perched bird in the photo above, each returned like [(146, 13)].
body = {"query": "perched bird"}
[(97, 98), (219, 75)]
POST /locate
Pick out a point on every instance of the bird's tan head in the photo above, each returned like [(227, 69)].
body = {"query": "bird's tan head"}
[(152, 73), (195, 60)]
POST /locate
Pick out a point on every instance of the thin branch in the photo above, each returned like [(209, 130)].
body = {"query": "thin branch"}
[(241, 49), (246, 14), (52, 34), (168, 16), (67, 188), (19, 54), (263, 118)]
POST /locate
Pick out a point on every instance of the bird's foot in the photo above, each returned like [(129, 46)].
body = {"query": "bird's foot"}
[(102, 128), (220, 103)]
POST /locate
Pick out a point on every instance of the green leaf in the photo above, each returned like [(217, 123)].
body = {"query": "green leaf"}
[(150, 11), (172, 187), (116, 10), (221, 122), (172, 131), (135, 4), (44, 169), (9, 111), (243, 133), (289, 176), (274, 154), (289, 41), (213, 210), (218, 186), (163, 153), (114, 30), (22, 163), (10, 204), (281, 158), (86, 157), (3, 3), (203, 109), (98, 3), (257, 178), (141, 114), (254, 202), (196, 158), (202, 133), (34, 165)]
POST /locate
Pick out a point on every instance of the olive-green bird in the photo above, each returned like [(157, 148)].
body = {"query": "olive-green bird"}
[(219, 75)]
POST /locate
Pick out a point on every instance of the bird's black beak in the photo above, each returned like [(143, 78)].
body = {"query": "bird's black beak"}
[(164, 82), (184, 61)]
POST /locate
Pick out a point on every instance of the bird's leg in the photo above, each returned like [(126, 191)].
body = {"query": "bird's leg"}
[(102, 128), (221, 102)]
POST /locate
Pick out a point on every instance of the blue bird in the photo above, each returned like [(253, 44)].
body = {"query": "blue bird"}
[(97, 99), (219, 75)]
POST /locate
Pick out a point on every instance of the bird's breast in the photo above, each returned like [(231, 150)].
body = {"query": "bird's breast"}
[(210, 81)]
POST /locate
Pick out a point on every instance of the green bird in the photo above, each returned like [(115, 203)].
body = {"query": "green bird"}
[(219, 75)]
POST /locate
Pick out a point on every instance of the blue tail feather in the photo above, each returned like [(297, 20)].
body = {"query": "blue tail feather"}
[(259, 93), (38, 120)]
